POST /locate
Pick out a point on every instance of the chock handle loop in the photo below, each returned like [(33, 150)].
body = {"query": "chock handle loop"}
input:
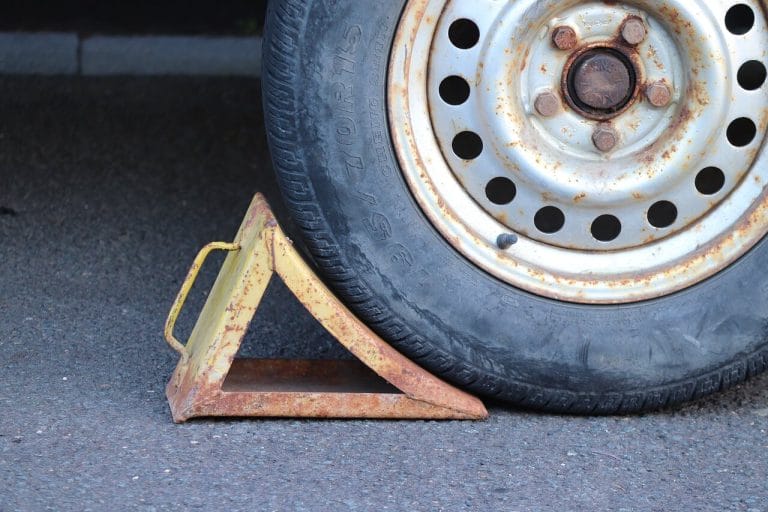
[(186, 286)]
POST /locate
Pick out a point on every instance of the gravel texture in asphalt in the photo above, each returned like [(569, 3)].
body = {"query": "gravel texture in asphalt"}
[(108, 187)]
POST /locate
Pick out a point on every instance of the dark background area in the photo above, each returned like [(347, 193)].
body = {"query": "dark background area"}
[(240, 17)]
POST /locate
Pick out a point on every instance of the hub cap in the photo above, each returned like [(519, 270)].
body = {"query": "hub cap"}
[(600, 82), (618, 144)]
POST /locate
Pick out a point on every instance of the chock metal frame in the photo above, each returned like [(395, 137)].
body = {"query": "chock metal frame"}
[(210, 381)]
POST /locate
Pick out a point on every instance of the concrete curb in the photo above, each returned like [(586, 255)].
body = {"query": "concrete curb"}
[(70, 54), (39, 54)]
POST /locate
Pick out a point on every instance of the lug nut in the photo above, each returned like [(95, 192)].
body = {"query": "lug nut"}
[(605, 138), (659, 94), (564, 38), (547, 104), (633, 31)]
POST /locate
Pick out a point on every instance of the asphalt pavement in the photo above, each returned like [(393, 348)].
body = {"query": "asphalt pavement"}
[(108, 187)]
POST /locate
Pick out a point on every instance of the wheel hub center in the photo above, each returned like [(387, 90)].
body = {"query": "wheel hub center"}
[(601, 81)]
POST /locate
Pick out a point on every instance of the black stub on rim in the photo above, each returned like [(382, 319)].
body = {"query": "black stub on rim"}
[(601, 82)]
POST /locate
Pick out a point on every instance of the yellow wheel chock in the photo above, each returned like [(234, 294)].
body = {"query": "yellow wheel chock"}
[(210, 381)]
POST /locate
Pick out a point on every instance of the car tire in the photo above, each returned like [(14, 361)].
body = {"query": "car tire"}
[(325, 100)]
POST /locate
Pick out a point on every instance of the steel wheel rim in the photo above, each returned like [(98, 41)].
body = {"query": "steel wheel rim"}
[(656, 171)]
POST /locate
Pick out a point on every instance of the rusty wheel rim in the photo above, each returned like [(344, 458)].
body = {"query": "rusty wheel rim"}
[(657, 187)]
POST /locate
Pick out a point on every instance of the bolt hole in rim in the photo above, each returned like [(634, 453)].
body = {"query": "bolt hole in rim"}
[(454, 90), (643, 196), (710, 181), (549, 220), (606, 228), (467, 145), (752, 75), (501, 191), (740, 19), (464, 34)]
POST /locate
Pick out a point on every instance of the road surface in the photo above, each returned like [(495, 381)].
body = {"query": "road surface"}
[(108, 187)]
